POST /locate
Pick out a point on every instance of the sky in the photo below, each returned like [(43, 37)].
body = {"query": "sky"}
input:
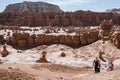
[(72, 5)]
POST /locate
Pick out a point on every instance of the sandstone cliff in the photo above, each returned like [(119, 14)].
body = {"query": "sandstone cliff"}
[(81, 18)]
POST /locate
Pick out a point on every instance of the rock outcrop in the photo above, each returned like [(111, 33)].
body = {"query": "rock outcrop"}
[(4, 52), (115, 39), (2, 39), (22, 43), (25, 40), (106, 33), (66, 19), (106, 30), (32, 7), (43, 58)]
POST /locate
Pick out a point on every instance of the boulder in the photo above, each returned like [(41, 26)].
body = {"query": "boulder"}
[(62, 54)]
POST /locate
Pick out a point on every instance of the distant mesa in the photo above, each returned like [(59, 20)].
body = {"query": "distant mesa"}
[(32, 7), (84, 11), (114, 10)]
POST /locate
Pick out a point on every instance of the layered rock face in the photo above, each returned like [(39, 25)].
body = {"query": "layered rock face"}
[(25, 40), (58, 19), (32, 7), (82, 37)]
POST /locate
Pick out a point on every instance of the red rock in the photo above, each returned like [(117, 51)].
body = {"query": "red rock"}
[(115, 38), (8, 33), (92, 36), (30, 42), (68, 40), (62, 39), (48, 39), (56, 39), (106, 25), (76, 41), (1, 39), (83, 39), (13, 41), (79, 18), (4, 52), (39, 40), (22, 43), (62, 54), (43, 59), (25, 36)]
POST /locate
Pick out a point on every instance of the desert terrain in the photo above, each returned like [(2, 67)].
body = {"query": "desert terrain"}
[(63, 62), (23, 65)]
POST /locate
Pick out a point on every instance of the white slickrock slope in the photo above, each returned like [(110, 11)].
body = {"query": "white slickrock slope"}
[(81, 57)]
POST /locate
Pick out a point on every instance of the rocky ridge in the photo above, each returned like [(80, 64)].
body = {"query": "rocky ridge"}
[(114, 10)]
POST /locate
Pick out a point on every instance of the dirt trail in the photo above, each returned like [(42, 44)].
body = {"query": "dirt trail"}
[(47, 71), (50, 71)]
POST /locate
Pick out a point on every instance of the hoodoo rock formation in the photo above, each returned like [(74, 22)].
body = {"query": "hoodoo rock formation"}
[(25, 40), (106, 30), (4, 52), (43, 58), (2, 39), (80, 18), (115, 39), (32, 7), (22, 39), (107, 34)]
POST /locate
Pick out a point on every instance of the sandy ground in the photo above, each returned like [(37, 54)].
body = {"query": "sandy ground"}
[(48, 71)]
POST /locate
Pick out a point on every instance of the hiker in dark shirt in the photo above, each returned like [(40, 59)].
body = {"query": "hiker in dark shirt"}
[(96, 65)]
